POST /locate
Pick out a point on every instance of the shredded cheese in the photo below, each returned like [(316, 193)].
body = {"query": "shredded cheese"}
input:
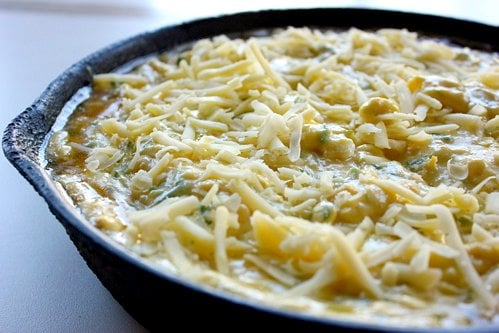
[(349, 174)]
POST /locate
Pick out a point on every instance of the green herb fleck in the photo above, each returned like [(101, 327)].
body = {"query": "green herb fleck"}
[(447, 139), (417, 163), (326, 48), (444, 138), (353, 172), (300, 99), (439, 316), (324, 136), (465, 224), (203, 209), (349, 133), (181, 188), (326, 213)]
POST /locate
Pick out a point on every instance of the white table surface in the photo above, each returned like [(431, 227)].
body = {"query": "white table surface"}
[(45, 285)]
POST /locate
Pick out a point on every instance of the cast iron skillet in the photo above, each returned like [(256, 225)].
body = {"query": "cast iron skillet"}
[(159, 300)]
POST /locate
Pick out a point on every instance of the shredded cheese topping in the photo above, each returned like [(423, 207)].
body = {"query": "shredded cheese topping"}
[(350, 174)]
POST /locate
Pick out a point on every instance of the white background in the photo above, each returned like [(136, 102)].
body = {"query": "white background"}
[(45, 285)]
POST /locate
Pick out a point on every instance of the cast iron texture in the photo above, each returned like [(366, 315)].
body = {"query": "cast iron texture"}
[(156, 299)]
